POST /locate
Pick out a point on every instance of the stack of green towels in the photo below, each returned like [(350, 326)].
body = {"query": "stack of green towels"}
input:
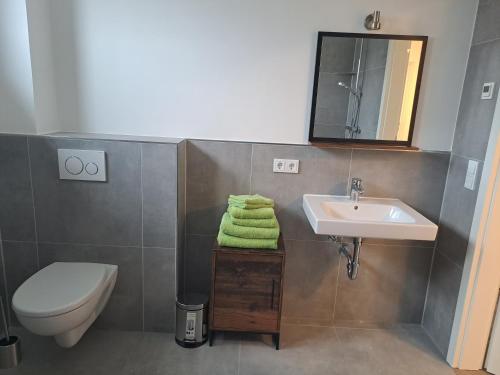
[(249, 223)]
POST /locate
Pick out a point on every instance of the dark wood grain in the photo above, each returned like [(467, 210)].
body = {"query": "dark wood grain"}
[(363, 146), (247, 286)]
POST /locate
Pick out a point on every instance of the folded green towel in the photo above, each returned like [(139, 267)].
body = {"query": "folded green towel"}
[(256, 223), (250, 201), (227, 227), (259, 213), (246, 243)]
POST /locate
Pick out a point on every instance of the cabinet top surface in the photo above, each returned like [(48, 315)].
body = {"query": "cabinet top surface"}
[(279, 251)]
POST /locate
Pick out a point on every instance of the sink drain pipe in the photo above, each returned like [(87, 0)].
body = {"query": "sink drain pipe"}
[(352, 259)]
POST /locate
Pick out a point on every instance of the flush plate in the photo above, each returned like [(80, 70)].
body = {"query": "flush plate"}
[(83, 165)]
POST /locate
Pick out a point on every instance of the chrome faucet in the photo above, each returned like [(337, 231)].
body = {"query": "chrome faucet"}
[(356, 188)]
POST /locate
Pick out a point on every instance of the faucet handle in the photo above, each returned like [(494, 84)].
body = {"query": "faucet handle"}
[(357, 184)]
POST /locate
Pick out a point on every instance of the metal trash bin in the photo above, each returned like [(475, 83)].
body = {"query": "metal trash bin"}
[(191, 320), (10, 346)]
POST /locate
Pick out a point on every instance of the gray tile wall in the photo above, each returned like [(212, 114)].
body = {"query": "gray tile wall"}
[(16, 216), (136, 220), (82, 212), (335, 104), (3, 284), (331, 108), (372, 74), (130, 220), (17, 219), (181, 215), (393, 278), (471, 139)]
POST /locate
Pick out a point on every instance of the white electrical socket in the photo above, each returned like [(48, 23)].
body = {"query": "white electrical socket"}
[(470, 176), (279, 165), (488, 88), (285, 166), (292, 166)]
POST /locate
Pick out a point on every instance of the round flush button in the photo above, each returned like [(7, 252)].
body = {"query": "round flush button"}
[(73, 165), (91, 168)]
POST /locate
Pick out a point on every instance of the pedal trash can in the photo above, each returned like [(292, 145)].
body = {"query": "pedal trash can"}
[(191, 320)]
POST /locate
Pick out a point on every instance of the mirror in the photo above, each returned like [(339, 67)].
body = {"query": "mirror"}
[(366, 88)]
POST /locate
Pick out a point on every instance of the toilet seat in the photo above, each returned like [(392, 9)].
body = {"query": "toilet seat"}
[(58, 289)]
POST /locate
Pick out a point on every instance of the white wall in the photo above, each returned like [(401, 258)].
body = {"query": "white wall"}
[(16, 88), (44, 69), (226, 69)]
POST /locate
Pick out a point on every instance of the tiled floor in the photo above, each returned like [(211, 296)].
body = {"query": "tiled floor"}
[(305, 350)]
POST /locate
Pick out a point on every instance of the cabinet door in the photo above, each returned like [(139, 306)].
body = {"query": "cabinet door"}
[(247, 292)]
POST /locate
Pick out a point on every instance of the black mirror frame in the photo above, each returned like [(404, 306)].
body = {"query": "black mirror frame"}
[(407, 143)]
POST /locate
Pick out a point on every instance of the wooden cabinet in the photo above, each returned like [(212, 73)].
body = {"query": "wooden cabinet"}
[(247, 289)]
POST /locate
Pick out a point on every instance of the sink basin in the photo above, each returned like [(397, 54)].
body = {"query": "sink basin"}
[(370, 218)]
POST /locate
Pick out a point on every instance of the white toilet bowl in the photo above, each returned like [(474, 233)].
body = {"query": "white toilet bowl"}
[(64, 299)]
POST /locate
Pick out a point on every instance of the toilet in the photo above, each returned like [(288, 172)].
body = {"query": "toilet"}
[(64, 299)]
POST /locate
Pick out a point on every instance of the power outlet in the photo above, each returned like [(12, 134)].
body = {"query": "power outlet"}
[(279, 165), (285, 166), (470, 176), (292, 166), (488, 88)]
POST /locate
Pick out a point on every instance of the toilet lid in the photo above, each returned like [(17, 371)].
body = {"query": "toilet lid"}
[(58, 288)]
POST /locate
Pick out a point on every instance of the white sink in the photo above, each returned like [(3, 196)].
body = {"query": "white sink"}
[(368, 218)]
